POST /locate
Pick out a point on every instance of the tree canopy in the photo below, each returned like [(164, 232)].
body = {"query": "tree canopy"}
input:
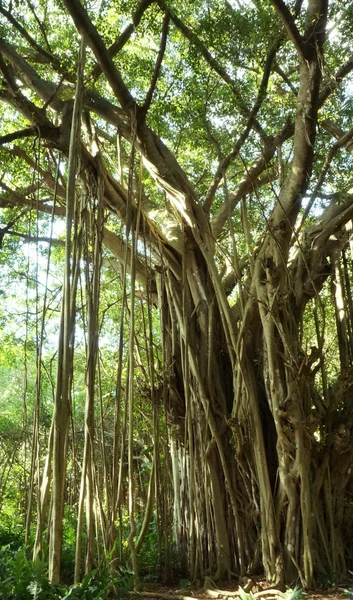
[(176, 210)]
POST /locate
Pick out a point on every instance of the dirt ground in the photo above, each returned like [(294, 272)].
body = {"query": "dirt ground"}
[(337, 594), (259, 589)]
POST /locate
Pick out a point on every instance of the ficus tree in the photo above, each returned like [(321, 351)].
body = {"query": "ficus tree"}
[(216, 139)]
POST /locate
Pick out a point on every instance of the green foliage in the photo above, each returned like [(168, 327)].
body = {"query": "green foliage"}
[(245, 595), (96, 585), (295, 594), (22, 579), (11, 533)]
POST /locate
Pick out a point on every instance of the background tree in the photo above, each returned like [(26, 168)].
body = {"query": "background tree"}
[(219, 136)]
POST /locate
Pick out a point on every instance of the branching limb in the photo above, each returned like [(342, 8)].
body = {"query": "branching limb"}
[(48, 179), (25, 107), (40, 24), (332, 220), (249, 181), (8, 74), (290, 26), (157, 68), (333, 84), (297, 7), (308, 102), (259, 165), (344, 141), (124, 36), (34, 239), (286, 79), (42, 52), (7, 228), (27, 74), (87, 28), (17, 135), (198, 43), (224, 164), (13, 198)]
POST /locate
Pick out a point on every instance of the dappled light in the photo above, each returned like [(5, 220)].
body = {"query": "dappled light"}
[(176, 343)]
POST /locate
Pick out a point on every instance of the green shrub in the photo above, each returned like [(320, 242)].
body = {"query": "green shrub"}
[(23, 579)]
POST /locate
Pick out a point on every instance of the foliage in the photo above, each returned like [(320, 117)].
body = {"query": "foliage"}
[(23, 579), (295, 594), (213, 393)]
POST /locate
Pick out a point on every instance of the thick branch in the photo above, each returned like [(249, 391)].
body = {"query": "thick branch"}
[(123, 252), (330, 87), (291, 28), (14, 198), (332, 220), (34, 239), (124, 36), (286, 79), (288, 205), (47, 177), (25, 107), (86, 27), (344, 139), (248, 183), (114, 243), (45, 89), (17, 135)]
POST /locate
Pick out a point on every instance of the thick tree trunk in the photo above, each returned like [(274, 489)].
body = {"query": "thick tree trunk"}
[(265, 467)]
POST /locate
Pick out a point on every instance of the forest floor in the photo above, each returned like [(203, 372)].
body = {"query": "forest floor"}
[(259, 589)]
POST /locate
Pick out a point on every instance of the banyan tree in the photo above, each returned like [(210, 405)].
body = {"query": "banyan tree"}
[(207, 148)]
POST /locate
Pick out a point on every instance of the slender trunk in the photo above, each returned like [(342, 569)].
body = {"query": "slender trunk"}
[(93, 226), (65, 353), (44, 496)]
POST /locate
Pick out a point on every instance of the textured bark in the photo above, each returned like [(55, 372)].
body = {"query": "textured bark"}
[(260, 458)]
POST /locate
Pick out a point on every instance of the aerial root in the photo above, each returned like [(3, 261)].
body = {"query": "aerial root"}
[(211, 591)]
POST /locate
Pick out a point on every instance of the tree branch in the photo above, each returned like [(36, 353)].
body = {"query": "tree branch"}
[(85, 26), (49, 57), (333, 219), (224, 164), (345, 139), (14, 198), (17, 135), (146, 104), (308, 102), (259, 165), (45, 89), (248, 182), (290, 26), (34, 239), (286, 79), (194, 39), (124, 36), (330, 87), (40, 25)]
